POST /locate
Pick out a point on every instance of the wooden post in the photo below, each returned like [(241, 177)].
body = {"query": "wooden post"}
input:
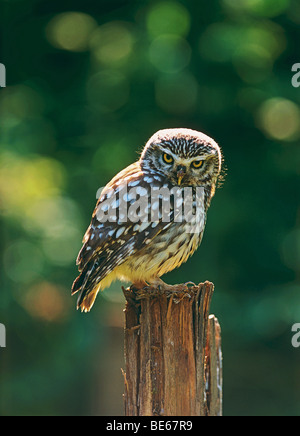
[(173, 353)]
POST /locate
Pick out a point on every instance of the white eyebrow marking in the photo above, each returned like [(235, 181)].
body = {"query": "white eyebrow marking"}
[(189, 160), (166, 150), (183, 161)]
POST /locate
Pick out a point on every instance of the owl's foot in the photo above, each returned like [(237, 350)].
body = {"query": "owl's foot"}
[(190, 284), (137, 286), (164, 287)]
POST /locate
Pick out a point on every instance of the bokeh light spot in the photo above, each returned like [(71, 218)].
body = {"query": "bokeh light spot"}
[(251, 48), (26, 180), (46, 301), (168, 17), (52, 216), (70, 31), (112, 43), (218, 42), (23, 261), (261, 8), (279, 119), (21, 101), (253, 63), (170, 53), (62, 249)]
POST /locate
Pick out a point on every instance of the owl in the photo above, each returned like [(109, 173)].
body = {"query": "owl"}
[(151, 216)]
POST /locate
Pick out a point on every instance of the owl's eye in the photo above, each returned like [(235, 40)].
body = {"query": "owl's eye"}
[(197, 163), (167, 158)]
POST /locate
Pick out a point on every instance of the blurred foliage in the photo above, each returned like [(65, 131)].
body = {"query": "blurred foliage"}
[(88, 83)]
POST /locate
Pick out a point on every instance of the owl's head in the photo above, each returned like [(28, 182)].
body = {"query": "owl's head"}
[(185, 157)]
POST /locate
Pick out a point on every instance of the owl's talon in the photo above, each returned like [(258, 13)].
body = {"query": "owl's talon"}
[(132, 288), (138, 286), (189, 284)]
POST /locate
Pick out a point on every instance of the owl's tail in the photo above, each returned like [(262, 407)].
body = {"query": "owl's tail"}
[(87, 287), (86, 301)]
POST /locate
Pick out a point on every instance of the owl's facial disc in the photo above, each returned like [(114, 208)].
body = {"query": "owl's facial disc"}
[(198, 171), (184, 157)]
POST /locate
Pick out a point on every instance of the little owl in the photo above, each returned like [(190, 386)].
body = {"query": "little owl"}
[(151, 216)]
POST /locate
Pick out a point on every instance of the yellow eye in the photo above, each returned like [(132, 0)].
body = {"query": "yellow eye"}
[(167, 158), (197, 163)]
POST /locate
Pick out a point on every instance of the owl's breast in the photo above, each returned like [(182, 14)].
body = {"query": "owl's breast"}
[(176, 237), (167, 251)]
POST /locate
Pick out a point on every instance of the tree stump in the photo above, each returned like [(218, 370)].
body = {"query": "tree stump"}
[(173, 353)]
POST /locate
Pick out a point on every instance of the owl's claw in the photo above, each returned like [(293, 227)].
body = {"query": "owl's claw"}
[(133, 288), (138, 286), (189, 284), (162, 287), (149, 288)]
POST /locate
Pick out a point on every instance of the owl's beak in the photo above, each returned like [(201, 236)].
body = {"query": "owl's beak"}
[(180, 174)]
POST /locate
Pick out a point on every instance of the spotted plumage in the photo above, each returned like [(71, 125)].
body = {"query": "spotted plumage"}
[(151, 216)]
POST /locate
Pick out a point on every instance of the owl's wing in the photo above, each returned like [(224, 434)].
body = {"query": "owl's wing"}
[(110, 255), (100, 233), (109, 244)]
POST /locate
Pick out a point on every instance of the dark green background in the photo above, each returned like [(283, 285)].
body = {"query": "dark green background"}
[(85, 92)]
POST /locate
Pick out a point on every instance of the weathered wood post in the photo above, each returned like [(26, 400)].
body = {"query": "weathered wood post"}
[(173, 353)]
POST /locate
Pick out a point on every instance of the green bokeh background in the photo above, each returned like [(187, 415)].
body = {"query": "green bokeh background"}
[(87, 84)]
